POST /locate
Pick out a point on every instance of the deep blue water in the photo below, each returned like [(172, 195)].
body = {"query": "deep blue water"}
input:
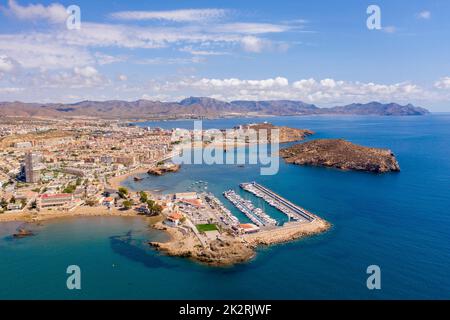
[(399, 221)]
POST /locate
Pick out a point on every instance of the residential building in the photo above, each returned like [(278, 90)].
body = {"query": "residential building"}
[(55, 200), (32, 167)]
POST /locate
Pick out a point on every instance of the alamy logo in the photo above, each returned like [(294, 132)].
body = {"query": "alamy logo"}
[(74, 280), (374, 280), (374, 20), (257, 146), (73, 21)]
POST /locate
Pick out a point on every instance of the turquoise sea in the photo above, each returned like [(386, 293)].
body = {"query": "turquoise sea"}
[(398, 221)]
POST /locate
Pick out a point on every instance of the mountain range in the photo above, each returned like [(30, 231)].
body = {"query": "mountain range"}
[(196, 107)]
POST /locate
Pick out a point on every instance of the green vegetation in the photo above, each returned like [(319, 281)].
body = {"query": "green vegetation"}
[(143, 197), (70, 188), (160, 163), (3, 203), (123, 192), (154, 208), (127, 204), (206, 227)]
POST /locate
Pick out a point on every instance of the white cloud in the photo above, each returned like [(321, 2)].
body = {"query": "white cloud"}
[(443, 83), (7, 64), (54, 13), (253, 44), (424, 15), (35, 50), (390, 29), (206, 83), (170, 61), (251, 28), (184, 15), (87, 72), (323, 92), (122, 77), (78, 77), (197, 52), (9, 90), (103, 59)]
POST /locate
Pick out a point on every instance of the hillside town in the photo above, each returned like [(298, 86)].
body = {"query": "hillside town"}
[(62, 165), (61, 168)]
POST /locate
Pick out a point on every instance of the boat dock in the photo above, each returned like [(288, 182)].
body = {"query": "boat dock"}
[(293, 211), (226, 217), (256, 215)]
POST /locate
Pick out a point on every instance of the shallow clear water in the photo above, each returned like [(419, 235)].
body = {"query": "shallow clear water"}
[(399, 221)]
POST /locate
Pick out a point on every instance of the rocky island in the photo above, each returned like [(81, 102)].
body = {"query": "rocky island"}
[(286, 134), (341, 154)]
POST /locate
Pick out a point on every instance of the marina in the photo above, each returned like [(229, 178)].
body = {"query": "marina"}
[(256, 215), (226, 216), (293, 211)]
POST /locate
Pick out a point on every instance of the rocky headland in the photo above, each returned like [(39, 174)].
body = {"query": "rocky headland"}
[(225, 251), (341, 154), (229, 250)]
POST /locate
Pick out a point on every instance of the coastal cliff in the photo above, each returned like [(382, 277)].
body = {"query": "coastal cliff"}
[(341, 154)]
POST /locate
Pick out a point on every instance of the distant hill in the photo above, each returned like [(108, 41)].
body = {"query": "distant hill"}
[(377, 108), (195, 107)]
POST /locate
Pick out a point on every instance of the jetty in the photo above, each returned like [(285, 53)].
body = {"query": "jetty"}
[(293, 211), (256, 215)]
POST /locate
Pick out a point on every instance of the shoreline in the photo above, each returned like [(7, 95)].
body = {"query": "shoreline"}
[(116, 182), (227, 251), (28, 216)]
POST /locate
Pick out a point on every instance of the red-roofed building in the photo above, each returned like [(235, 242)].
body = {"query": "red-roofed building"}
[(54, 200), (173, 219)]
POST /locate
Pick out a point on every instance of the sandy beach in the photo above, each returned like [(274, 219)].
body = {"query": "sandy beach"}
[(27, 216), (115, 182)]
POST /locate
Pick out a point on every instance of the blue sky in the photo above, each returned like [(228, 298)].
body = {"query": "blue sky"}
[(317, 51)]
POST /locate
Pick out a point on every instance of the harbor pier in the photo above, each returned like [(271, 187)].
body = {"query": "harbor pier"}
[(293, 211)]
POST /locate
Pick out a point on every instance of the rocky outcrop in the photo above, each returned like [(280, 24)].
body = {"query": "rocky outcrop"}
[(229, 250), (286, 134), (22, 233), (160, 170), (220, 252), (341, 154)]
